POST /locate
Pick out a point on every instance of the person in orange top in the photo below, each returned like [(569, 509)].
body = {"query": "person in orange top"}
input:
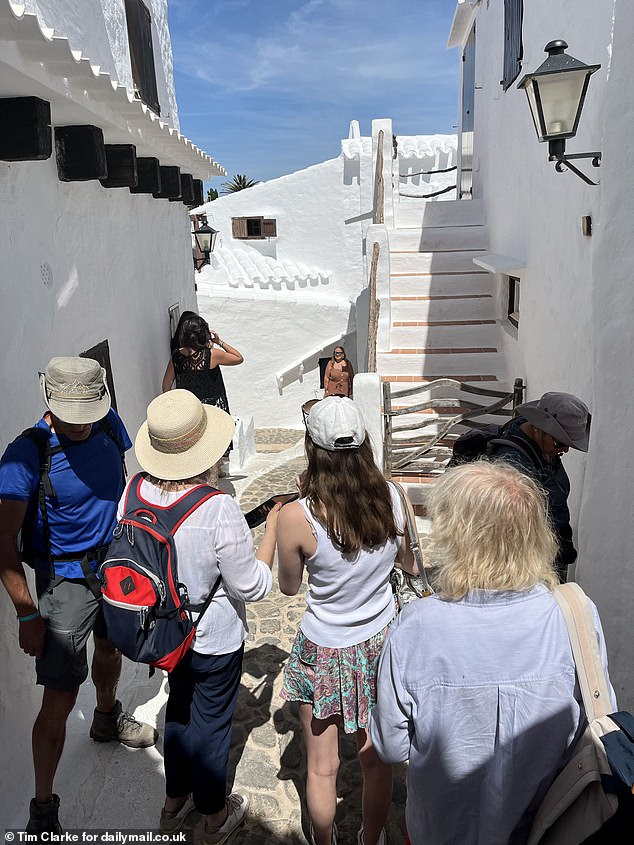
[(339, 375)]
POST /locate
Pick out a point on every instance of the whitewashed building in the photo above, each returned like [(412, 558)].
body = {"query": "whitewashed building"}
[(560, 255), (93, 253), (288, 279)]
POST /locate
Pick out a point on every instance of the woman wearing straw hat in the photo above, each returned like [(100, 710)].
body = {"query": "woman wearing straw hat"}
[(347, 530), (177, 445)]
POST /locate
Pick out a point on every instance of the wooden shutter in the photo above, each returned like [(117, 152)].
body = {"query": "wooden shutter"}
[(239, 227), (269, 228), (142, 52), (513, 52)]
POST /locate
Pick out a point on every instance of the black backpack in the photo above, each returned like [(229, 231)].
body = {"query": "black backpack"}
[(40, 438), (146, 607), (476, 443)]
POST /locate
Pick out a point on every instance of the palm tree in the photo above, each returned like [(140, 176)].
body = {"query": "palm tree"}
[(238, 183), (212, 194)]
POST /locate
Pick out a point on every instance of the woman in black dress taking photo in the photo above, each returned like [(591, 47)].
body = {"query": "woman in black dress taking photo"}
[(197, 355)]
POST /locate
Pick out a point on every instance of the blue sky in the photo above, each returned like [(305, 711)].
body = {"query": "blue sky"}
[(267, 88)]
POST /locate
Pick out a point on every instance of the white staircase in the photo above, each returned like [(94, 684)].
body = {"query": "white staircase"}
[(443, 309)]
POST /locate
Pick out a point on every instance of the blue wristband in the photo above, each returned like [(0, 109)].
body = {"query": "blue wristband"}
[(30, 617)]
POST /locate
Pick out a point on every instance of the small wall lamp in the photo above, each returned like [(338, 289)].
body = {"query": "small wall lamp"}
[(205, 240), (556, 92)]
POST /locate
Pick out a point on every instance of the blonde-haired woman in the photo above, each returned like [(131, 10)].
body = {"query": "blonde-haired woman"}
[(476, 684), (339, 375)]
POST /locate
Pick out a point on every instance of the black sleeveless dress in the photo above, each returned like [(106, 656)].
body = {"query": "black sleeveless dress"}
[(193, 374)]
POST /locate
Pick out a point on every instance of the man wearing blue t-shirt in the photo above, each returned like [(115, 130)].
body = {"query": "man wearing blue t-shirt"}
[(64, 537)]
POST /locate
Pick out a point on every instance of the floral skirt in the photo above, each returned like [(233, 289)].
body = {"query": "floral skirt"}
[(336, 681)]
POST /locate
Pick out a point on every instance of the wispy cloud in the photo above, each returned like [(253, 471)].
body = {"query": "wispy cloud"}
[(277, 66)]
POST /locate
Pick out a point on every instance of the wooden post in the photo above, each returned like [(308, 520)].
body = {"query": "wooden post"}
[(373, 319), (387, 428)]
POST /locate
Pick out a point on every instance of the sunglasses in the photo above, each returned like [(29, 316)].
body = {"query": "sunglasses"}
[(307, 408)]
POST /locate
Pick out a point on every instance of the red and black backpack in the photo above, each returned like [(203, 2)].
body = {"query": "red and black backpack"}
[(146, 607)]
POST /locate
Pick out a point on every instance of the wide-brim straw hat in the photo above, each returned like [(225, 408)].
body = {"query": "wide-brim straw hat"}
[(561, 415), (75, 390), (182, 437)]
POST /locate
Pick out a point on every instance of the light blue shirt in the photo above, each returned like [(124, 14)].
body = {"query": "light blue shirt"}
[(480, 696)]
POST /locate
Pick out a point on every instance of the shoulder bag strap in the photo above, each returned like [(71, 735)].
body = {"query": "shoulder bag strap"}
[(414, 539), (585, 649)]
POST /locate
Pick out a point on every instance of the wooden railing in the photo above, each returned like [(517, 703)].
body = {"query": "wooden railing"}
[(373, 320), (427, 455), (379, 182)]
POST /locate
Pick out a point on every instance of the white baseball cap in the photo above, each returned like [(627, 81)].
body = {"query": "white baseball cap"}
[(335, 423)]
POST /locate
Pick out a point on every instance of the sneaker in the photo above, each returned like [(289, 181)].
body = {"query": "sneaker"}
[(236, 808), (43, 818), (361, 840), (184, 819), (335, 834), (121, 726)]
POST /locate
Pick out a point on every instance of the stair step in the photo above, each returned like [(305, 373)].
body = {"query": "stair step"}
[(454, 284), (460, 261), (444, 334), (442, 308), (446, 363), (416, 381), (420, 213), (439, 238)]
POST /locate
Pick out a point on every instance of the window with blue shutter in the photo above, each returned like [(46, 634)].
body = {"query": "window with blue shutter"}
[(513, 52)]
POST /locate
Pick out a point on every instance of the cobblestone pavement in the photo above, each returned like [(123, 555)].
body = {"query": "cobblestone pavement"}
[(268, 761)]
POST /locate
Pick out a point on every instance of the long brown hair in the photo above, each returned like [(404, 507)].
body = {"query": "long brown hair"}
[(347, 493)]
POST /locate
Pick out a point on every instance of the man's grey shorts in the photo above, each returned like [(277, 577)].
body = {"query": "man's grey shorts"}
[(71, 612)]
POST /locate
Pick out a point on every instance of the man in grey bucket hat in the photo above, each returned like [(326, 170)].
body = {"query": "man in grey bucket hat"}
[(544, 430), (60, 483)]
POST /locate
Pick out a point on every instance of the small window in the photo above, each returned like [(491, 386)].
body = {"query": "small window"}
[(101, 353), (513, 311), (513, 50), (142, 52), (253, 228)]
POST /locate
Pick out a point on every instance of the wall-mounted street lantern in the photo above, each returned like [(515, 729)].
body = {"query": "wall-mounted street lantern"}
[(205, 240), (556, 92)]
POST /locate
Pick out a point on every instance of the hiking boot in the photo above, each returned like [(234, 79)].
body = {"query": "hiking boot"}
[(361, 840), (122, 727), (183, 819), (43, 817), (236, 808)]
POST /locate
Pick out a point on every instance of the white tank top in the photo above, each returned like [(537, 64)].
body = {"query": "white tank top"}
[(349, 597)]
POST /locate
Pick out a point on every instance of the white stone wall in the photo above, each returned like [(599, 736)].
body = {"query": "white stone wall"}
[(575, 291), (317, 211), (78, 264), (98, 28)]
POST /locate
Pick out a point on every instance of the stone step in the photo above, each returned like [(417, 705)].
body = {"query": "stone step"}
[(425, 284), (460, 261), (439, 238), (418, 213), (445, 362), (448, 333), (442, 308)]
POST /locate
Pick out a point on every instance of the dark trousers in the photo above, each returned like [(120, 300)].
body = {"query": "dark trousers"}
[(203, 690)]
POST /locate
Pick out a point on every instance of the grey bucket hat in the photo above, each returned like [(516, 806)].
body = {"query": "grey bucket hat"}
[(561, 415), (74, 390)]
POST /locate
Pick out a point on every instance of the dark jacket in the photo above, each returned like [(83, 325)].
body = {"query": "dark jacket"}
[(553, 478)]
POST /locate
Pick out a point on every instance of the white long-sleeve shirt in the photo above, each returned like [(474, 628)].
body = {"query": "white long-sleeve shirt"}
[(480, 696), (214, 539)]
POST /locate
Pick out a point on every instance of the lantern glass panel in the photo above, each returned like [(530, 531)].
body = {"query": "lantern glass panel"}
[(561, 96), (204, 241)]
